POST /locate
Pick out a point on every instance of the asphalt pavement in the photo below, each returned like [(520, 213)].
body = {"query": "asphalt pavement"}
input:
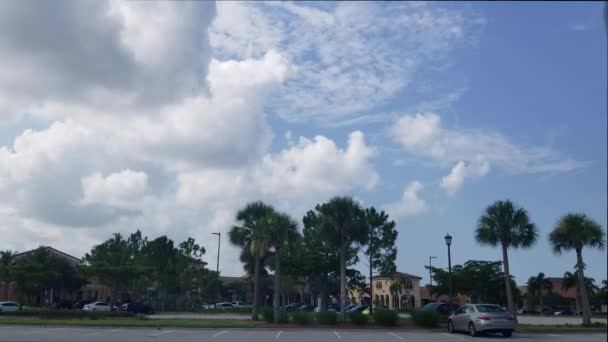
[(67, 334)]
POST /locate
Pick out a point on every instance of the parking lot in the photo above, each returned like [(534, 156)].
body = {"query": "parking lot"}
[(66, 334)]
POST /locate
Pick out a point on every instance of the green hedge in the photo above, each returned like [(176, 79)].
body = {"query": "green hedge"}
[(358, 318), (303, 318), (385, 317), (425, 318), (327, 317), (268, 315), (68, 314)]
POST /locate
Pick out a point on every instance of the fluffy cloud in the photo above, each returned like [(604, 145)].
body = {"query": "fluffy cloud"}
[(472, 151), (345, 61), (410, 204), (121, 189)]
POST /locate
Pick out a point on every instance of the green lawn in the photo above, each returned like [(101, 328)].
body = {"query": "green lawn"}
[(130, 322)]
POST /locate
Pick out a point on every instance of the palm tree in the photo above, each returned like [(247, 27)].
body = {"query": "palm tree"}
[(343, 222), (283, 233), (505, 225), (569, 281), (574, 232), (540, 285), (253, 237)]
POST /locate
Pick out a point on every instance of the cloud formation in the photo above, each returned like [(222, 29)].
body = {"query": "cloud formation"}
[(410, 203)]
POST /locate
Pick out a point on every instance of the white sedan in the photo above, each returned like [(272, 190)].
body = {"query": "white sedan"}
[(9, 306), (98, 306)]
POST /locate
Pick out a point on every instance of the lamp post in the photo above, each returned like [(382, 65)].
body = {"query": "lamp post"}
[(217, 268), (431, 275), (448, 242)]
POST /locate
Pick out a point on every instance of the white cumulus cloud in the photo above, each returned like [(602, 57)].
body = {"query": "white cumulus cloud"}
[(410, 203)]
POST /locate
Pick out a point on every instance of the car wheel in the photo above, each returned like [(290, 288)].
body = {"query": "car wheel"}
[(507, 333), (472, 330), (451, 327)]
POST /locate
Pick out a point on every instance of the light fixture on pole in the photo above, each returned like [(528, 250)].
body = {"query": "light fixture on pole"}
[(448, 242), (217, 268)]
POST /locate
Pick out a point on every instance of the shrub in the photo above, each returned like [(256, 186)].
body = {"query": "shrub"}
[(302, 317), (327, 317), (358, 318), (267, 314), (283, 317), (385, 317), (425, 318)]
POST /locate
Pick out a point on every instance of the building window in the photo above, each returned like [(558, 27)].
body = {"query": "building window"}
[(379, 285)]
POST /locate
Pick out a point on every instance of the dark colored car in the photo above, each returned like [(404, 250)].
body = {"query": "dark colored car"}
[(565, 312), (442, 308), (357, 308), (137, 308), (65, 304), (292, 307), (81, 303), (307, 308)]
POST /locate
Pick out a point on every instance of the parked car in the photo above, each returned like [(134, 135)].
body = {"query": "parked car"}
[(481, 318), (525, 311), (137, 308), (330, 307), (64, 304), (81, 303), (442, 308), (307, 308), (97, 306), (357, 308), (9, 306), (240, 305), (564, 312), (224, 305), (206, 306), (292, 307)]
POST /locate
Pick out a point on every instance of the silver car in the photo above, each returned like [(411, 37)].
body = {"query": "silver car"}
[(481, 318)]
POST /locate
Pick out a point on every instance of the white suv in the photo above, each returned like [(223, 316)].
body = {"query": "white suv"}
[(9, 306)]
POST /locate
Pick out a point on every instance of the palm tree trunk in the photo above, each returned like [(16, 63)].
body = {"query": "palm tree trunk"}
[(505, 262), (342, 280), (256, 288), (578, 301), (583, 289), (277, 285)]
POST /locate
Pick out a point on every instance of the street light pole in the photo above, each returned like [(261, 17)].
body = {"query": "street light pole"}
[(217, 268), (431, 275), (448, 241)]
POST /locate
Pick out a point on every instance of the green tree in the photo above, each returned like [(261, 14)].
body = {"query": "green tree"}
[(505, 225), (343, 222), (6, 260), (160, 256), (574, 232), (381, 250), (253, 237), (570, 281), (284, 237), (539, 285)]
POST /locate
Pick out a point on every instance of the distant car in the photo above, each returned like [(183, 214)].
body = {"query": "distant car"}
[(307, 308), (65, 304), (357, 309), (97, 306), (137, 308), (224, 305), (81, 303), (240, 305), (565, 312), (330, 307), (442, 308), (292, 307), (9, 306), (206, 306), (481, 318), (525, 311)]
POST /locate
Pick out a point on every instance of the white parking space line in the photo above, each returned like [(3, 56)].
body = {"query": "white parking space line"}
[(454, 336), (397, 336), (162, 333), (337, 335), (114, 330), (220, 333), (278, 334)]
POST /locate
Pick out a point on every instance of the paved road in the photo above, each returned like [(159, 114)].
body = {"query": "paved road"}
[(58, 334), (555, 320)]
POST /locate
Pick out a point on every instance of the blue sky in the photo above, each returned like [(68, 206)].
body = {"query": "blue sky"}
[(430, 111)]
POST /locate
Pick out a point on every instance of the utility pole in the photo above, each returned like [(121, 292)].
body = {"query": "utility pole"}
[(431, 275), (217, 268)]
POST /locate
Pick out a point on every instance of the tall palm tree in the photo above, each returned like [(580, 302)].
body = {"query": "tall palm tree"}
[(343, 222), (574, 232), (505, 225), (253, 237), (540, 285), (283, 235), (569, 281)]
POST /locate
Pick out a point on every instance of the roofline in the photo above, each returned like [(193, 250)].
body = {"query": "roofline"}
[(51, 248)]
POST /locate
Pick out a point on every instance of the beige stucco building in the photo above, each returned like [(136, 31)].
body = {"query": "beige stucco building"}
[(397, 291)]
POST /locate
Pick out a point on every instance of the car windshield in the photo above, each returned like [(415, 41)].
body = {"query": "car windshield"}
[(489, 308)]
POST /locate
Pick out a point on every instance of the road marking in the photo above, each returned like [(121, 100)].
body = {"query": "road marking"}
[(220, 333), (114, 330), (163, 332), (278, 334), (337, 335), (453, 336), (397, 336)]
